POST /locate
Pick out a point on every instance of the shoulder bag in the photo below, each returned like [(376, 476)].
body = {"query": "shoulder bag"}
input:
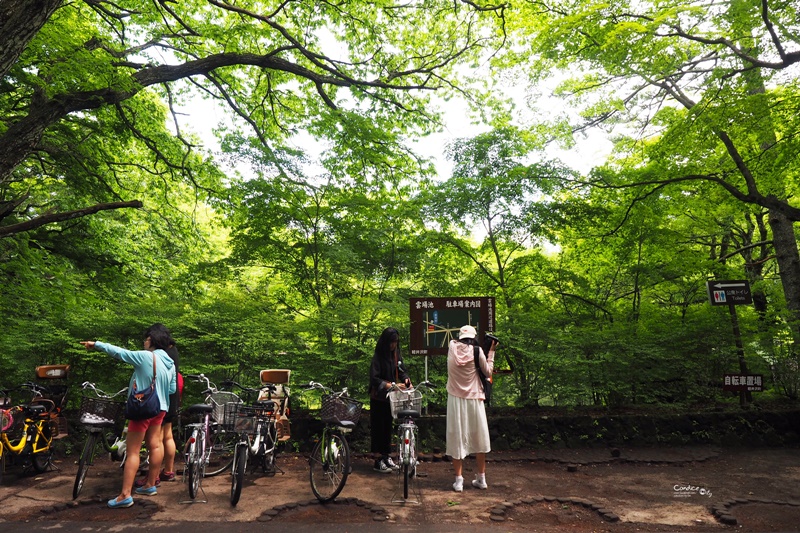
[(143, 404)]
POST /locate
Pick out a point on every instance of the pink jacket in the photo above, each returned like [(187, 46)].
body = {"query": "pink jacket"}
[(462, 377)]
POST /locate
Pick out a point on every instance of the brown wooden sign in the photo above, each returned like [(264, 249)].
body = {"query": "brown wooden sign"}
[(436, 321)]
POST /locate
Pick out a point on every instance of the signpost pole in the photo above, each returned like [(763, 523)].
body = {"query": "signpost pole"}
[(426, 379), (745, 397), (733, 293)]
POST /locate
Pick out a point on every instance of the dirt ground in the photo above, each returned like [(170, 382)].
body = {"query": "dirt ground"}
[(623, 490)]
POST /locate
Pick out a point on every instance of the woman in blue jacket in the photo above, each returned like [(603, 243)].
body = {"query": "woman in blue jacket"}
[(156, 343)]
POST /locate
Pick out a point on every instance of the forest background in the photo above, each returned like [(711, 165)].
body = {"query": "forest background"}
[(303, 230)]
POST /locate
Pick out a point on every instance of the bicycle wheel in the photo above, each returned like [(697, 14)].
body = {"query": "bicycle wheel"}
[(41, 461), (270, 443), (223, 448), (406, 458), (83, 464), (193, 462), (405, 481), (329, 466), (2, 462), (239, 465)]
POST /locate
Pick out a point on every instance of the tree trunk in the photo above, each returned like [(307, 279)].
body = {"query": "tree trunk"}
[(20, 21), (788, 258)]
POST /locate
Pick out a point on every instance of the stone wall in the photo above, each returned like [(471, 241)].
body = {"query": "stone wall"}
[(552, 431)]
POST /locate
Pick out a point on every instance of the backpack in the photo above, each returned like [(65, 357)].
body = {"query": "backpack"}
[(486, 382)]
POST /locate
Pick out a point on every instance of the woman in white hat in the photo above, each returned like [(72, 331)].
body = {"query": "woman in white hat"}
[(467, 428)]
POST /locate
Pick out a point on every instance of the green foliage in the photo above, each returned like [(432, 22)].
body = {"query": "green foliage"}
[(298, 261)]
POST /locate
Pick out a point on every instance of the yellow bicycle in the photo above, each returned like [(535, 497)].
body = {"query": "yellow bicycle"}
[(29, 441)]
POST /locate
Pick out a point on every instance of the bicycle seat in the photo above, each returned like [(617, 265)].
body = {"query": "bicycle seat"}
[(407, 413), (346, 423), (200, 408), (37, 410)]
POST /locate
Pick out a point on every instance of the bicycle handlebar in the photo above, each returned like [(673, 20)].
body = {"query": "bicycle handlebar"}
[(35, 388), (100, 393), (312, 385), (424, 384), (202, 378), (232, 383)]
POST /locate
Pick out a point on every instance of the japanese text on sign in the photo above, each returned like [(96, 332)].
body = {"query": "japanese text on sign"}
[(729, 292), (436, 321), (743, 382)]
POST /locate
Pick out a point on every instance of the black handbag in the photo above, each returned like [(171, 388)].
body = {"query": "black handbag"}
[(144, 404)]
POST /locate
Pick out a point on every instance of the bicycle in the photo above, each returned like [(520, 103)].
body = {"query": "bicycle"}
[(36, 431), (406, 406), (6, 423), (208, 435), (329, 462), (99, 413), (258, 437)]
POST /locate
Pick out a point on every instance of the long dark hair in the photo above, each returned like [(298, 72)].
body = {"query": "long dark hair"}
[(160, 337), (385, 341), (470, 340)]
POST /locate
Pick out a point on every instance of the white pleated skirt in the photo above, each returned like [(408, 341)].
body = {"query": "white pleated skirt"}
[(467, 428)]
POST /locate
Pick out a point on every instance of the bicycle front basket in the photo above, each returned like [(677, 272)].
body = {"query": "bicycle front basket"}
[(248, 418), (225, 406), (402, 400), (336, 409), (100, 411)]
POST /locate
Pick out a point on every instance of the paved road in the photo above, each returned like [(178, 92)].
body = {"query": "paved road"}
[(636, 485)]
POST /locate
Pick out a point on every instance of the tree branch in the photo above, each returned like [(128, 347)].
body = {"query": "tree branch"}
[(49, 218)]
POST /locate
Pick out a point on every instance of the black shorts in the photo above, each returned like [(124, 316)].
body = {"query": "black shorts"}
[(174, 406)]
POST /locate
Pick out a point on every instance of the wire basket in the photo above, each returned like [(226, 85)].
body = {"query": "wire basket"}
[(337, 409), (225, 407), (247, 418), (100, 411), (405, 400)]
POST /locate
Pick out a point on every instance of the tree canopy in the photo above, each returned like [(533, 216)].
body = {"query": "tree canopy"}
[(302, 231)]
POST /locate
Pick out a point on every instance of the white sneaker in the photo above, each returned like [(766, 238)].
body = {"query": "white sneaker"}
[(391, 464), (458, 486), (478, 484)]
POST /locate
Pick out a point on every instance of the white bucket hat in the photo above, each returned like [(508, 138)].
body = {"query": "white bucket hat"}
[(467, 332)]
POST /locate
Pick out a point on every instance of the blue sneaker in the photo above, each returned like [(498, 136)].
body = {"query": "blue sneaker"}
[(149, 491), (114, 504)]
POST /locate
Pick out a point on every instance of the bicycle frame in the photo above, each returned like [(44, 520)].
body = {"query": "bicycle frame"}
[(99, 414), (329, 462), (197, 451), (260, 442), (200, 432), (33, 434), (405, 409), (407, 436)]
